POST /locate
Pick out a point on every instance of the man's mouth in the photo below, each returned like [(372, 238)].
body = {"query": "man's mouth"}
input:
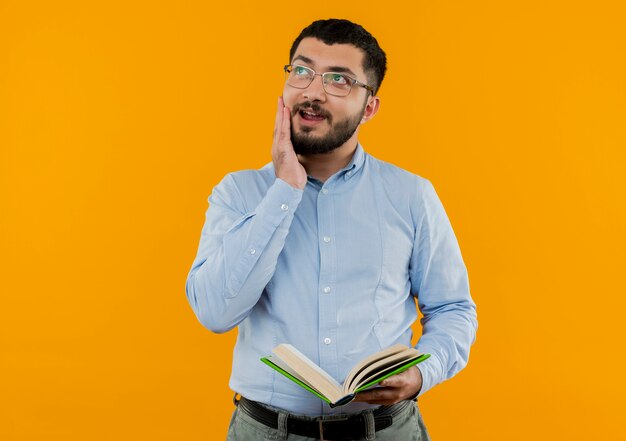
[(310, 115)]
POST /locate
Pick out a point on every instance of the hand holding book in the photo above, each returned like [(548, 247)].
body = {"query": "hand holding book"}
[(389, 362), (403, 386)]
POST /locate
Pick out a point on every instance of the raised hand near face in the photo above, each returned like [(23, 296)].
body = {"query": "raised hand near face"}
[(286, 165)]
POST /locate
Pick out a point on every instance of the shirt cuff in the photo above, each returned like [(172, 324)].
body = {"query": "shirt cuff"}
[(428, 369)]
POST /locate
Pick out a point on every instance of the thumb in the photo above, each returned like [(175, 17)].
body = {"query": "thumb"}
[(389, 382)]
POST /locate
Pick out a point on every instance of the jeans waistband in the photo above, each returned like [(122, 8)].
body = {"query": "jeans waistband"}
[(335, 427)]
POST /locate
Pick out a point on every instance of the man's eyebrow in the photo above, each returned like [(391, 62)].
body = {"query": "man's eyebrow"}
[(338, 69), (303, 58), (341, 69)]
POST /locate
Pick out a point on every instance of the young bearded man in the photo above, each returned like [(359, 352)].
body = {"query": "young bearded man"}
[(327, 248)]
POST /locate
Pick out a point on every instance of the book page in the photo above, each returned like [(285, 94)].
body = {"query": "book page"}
[(281, 364), (306, 369), (380, 368), (356, 370)]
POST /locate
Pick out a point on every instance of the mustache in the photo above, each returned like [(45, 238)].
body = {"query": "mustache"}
[(308, 105)]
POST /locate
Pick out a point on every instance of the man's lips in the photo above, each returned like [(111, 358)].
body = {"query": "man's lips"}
[(311, 115)]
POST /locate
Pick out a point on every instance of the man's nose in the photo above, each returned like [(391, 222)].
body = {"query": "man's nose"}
[(315, 91)]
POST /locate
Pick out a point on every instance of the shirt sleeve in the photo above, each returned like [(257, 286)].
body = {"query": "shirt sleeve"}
[(238, 252), (439, 280)]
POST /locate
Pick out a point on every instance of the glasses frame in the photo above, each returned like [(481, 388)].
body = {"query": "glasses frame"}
[(289, 67)]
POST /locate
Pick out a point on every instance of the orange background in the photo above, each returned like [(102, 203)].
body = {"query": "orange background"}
[(118, 118)]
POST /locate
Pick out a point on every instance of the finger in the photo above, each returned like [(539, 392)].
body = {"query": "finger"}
[(278, 119), (379, 395), (393, 381), (372, 394), (403, 379), (286, 124)]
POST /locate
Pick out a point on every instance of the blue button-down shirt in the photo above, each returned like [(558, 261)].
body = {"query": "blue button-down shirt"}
[(334, 270)]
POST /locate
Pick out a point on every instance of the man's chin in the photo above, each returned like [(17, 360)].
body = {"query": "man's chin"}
[(317, 140), (307, 139), (316, 131), (308, 146)]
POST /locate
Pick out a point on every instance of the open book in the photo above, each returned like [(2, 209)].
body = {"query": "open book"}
[(372, 370)]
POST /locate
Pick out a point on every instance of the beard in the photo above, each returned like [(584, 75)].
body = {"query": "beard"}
[(305, 143)]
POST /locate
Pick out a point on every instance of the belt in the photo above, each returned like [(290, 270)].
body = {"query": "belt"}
[(346, 428)]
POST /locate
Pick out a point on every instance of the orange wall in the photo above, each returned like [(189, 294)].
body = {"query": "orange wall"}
[(117, 119)]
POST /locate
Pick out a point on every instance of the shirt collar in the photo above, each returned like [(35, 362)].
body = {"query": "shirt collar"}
[(349, 171), (355, 163)]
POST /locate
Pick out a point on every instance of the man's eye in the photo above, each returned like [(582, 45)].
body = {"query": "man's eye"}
[(299, 70), (339, 79)]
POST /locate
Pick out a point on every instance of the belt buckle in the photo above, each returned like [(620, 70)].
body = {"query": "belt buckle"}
[(321, 421)]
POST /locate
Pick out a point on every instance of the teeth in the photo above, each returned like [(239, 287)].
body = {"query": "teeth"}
[(310, 113)]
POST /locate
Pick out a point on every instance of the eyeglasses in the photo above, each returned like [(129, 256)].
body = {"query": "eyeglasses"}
[(334, 83)]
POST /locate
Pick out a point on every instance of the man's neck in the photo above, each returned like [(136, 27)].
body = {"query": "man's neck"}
[(323, 166)]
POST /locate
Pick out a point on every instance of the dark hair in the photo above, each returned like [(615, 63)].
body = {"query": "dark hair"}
[(333, 31)]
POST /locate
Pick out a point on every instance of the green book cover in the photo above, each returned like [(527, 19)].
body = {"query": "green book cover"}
[(374, 380)]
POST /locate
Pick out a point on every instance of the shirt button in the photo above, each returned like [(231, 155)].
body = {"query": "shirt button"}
[(325, 190), (327, 289), (252, 251), (327, 341), (326, 239), (284, 207)]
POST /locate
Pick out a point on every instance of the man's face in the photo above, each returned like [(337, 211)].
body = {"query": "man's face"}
[(321, 122)]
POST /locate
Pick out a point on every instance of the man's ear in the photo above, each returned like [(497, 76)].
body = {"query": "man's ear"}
[(371, 108)]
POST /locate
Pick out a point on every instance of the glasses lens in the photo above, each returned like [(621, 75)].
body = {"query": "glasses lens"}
[(337, 84), (334, 83), (300, 76)]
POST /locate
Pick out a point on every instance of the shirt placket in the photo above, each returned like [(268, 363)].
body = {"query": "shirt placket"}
[(327, 337)]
